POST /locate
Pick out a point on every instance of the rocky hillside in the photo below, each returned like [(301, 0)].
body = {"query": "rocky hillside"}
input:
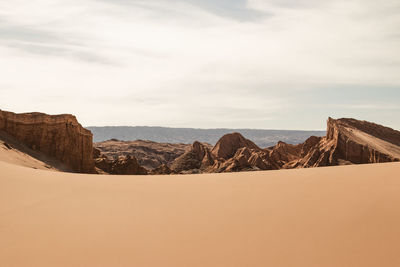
[(348, 141), (262, 138), (149, 154), (59, 142), (57, 136)]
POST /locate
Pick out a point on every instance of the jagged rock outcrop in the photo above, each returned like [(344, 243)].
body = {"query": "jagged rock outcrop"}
[(227, 146), (123, 165), (245, 159), (198, 157), (149, 154), (127, 165), (232, 153), (56, 136), (283, 153), (163, 169), (350, 141)]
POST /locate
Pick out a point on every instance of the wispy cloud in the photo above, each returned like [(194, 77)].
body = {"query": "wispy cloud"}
[(175, 62)]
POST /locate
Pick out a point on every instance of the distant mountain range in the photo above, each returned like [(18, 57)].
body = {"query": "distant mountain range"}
[(263, 138)]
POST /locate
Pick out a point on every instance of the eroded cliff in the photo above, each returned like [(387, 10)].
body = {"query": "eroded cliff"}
[(57, 136)]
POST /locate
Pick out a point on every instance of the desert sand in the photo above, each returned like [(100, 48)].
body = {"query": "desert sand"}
[(331, 216)]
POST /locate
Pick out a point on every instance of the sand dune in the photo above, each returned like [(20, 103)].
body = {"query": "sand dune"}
[(12, 151), (333, 216)]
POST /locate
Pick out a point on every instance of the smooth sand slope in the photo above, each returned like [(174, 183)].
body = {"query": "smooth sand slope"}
[(334, 216)]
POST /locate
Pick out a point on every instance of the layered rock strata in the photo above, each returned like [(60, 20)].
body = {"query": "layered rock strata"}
[(57, 136)]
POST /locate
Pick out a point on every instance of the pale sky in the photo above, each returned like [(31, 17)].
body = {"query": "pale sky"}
[(279, 64)]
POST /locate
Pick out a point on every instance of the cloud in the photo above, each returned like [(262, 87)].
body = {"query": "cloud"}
[(232, 9), (193, 62)]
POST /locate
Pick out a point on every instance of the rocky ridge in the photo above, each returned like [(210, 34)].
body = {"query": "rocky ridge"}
[(57, 136), (60, 140), (149, 154), (348, 141)]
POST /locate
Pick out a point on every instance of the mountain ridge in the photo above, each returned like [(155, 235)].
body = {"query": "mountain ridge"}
[(261, 137)]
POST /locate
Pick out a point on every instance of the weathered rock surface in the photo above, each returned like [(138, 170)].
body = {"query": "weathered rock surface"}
[(227, 146), (163, 169), (245, 159), (197, 157), (350, 141), (150, 155), (123, 165), (57, 136), (232, 152), (127, 165)]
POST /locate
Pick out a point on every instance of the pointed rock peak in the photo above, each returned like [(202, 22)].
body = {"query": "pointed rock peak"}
[(197, 145), (227, 146)]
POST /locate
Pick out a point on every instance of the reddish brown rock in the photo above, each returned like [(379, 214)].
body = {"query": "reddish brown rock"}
[(197, 157), (349, 141), (227, 146), (244, 159), (163, 169), (149, 154), (104, 164), (57, 136), (127, 165), (283, 153), (123, 165)]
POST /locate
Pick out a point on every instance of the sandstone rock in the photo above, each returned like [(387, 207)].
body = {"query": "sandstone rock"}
[(198, 157), (227, 146), (163, 169), (104, 164), (57, 136), (96, 153), (127, 165), (283, 153), (349, 141), (245, 159), (149, 154)]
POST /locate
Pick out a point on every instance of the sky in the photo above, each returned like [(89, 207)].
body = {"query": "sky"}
[(266, 64)]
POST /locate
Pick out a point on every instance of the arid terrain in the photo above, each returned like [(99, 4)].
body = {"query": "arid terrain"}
[(55, 210), (334, 216), (61, 143), (263, 138), (348, 141)]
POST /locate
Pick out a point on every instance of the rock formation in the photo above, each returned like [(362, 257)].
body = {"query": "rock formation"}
[(232, 152), (163, 169), (57, 136), (245, 159), (197, 158), (123, 165), (149, 154), (127, 165), (227, 146), (350, 141)]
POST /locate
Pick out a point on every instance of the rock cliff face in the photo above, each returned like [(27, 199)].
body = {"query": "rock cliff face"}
[(57, 136), (350, 141)]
